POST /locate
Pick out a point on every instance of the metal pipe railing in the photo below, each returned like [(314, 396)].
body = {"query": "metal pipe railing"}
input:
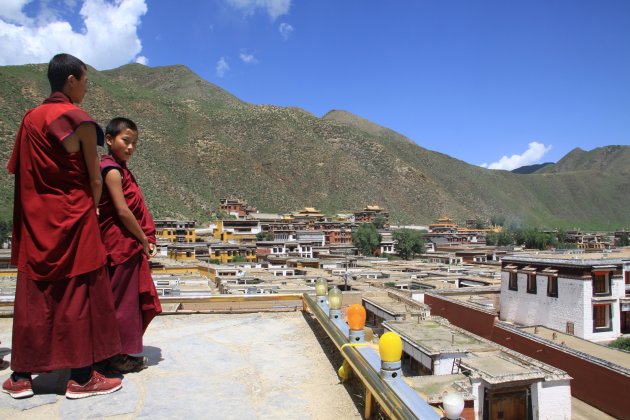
[(388, 399)]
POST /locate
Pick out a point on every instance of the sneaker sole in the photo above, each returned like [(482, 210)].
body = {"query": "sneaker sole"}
[(78, 395), (22, 394)]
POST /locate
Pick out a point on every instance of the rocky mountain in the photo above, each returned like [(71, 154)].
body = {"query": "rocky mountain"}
[(199, 143)]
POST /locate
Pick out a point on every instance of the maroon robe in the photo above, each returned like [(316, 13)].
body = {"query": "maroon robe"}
[(62, 315), (135, 296)]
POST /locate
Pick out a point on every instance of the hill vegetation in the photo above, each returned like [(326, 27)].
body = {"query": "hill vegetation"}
[(530, 169), (199, 143)]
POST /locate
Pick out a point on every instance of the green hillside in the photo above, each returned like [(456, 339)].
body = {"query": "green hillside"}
[(199, 143)]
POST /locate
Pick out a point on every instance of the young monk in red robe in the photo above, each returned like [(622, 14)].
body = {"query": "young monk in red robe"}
[(63, 313), (129, 236)]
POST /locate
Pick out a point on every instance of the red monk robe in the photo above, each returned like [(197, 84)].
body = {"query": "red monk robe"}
[(135, 296), (63, 314)]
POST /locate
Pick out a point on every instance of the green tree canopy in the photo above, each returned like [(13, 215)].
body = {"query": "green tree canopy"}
[(366, 238), (5, 230), (502, 238), (624, 240), (379, 222), (265, 236), (535, 239), (408, 243)]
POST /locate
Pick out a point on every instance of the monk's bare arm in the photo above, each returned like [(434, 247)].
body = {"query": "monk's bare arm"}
[(113, 181), (86, 136)]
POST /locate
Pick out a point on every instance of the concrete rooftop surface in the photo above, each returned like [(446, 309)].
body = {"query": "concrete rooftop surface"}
[(228, 366)]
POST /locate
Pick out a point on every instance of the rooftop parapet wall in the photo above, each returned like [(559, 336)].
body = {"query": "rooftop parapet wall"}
[(595, 381), (462, 314)]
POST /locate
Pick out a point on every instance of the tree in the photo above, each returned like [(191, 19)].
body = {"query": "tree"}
[(624, 240), (5, 230), (265, 236), (379, 222), (502, 238), (222, 215), (408, 243), (497, 220), (535, 239), (366, 238)]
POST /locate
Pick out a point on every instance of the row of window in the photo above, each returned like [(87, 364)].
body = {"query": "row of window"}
[(552, 284), (601, 284)]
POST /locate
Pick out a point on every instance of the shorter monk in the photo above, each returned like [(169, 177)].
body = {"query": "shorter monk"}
[(129, 236)]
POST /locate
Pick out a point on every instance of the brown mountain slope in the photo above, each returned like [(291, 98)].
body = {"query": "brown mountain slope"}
[(199, 143), (603, 159)]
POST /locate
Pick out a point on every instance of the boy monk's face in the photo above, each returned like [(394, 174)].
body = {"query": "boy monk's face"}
[(123, 145)]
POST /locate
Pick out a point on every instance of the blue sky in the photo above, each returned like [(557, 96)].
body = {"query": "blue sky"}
[(501, 83)]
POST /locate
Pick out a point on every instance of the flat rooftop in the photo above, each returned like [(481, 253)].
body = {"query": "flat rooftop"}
[(587, 258), (436, 338), (263, 365), (499, 367), (395, 306), (611, 355)]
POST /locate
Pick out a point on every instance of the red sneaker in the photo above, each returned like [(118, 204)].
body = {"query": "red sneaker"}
[(22, 388), (97, 385)]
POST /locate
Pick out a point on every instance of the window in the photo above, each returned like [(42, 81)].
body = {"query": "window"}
[(570, 328), (601, 318), (531, 283), (552, 286), (601, 284), (513, 282)]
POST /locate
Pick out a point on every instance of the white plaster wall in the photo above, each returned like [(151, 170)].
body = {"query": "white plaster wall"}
[(478, 392), (617, 291), (551, 400), (443, 363), (539, 309), (418, 297)]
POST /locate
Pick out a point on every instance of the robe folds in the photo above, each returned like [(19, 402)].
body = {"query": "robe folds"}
[(135, 296), (63, 315), (55, 229)]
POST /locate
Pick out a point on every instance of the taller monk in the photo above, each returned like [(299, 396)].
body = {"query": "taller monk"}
[(64, 312)]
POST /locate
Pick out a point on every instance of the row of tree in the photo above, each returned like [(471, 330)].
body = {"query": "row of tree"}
[(534, 238), (407, 242)]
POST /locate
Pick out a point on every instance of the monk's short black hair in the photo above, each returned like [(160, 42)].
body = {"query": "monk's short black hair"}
[(60, 67), (118, 124)]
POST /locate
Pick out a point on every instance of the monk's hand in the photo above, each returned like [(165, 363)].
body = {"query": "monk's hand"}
[(152, 250), (146, 246)]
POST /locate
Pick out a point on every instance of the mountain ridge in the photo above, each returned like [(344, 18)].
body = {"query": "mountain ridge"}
[(199, 143)]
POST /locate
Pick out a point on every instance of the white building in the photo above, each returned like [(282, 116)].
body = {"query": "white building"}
[(501, 383), (583, 295)]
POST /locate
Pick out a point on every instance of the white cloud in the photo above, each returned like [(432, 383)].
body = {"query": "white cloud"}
[(222, 67), (274, 8), (11, 10), (248, 58), (285, 30), (532, 155), (108, 39), (142, 60)]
